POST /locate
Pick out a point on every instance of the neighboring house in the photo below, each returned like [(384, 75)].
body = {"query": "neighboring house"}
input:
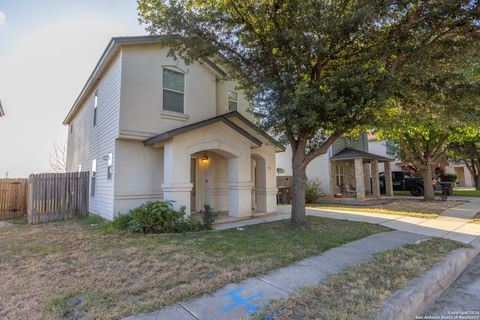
[(149, 127), (2, 113), (347, 168), (464, 178)]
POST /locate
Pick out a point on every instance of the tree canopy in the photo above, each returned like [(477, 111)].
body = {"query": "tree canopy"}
[(313, 69), (430, 111)]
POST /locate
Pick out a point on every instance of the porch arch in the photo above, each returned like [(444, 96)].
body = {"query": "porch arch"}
[(216, 146)]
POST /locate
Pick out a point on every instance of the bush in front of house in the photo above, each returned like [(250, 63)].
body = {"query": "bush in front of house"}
[(313, 191), (160, 217), (209, 215), (449, 177), (156, 217)]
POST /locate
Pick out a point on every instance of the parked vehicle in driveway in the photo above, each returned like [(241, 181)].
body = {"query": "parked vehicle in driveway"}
[(404, 181)]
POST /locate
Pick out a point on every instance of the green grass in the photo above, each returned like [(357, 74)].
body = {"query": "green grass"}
[(358, 292), (466, 193), (401, 193), (80, 269), (456, 192), (376, 210)]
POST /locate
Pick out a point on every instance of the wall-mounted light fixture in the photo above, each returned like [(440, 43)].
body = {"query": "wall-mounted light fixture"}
[(205, 158)]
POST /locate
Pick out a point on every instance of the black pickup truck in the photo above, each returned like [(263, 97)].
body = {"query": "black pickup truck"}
[(404, 181)]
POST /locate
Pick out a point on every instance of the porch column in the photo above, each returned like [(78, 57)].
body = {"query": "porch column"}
[(176, 176), (388, 179), (239, 186), (375, 179), (359, 179)]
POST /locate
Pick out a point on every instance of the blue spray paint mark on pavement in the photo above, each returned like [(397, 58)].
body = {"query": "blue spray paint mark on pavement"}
[(239, 301)]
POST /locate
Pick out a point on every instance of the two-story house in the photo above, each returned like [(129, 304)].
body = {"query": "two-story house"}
[(150, 127), (348, 168)]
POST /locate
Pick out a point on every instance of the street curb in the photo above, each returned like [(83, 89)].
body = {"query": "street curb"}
[(421, 292)]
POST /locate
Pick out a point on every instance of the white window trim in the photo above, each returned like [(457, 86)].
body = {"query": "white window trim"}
[(165, 113), (228, 100), (109, 165), (339, 174), (93, 179)]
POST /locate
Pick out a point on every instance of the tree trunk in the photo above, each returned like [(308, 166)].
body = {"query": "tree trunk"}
[(428, 193), (477, 182), (298, 217)]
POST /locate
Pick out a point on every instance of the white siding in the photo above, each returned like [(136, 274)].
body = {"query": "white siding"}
[(87, 142), (319, 168), (379, 147), (284, 161)]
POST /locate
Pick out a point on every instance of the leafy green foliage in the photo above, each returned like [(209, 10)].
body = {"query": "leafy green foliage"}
[(209, 215), (313, 69), (449, 177), (429, 112), (465, 147), (156, 217), (313, 191)]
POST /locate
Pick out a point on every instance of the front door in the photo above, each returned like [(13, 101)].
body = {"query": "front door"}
[(193, 181)]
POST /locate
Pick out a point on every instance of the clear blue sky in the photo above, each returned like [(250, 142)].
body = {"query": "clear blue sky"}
[(47, 50)]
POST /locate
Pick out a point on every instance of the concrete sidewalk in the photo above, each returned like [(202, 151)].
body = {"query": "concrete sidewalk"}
[(454, 228), (465, 211), (239, 300)]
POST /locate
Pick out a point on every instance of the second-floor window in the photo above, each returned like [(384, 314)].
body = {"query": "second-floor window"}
[(173, 91), (232, 101), (95, 105)]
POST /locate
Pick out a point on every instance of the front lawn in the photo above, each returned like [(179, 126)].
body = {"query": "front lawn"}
[(74, 270), (358, 292), (456, 192), (466, 193), (412, 208)]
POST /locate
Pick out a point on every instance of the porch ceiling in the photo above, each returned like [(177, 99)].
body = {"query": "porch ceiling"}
[(350, 154)]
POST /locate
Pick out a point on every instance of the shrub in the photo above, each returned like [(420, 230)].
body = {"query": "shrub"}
[(449, 177), (209, 215), (313, 191), (156, 217)]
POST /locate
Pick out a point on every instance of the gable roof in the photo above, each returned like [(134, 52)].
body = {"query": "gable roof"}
[(224, 118), (107, 56), (349, 154)]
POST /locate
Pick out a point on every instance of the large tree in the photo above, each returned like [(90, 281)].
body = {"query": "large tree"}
[(429, 111), (313, 69)]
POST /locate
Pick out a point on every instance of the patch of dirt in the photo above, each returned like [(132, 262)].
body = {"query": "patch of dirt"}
[(74, 310), (421, 206), (4, 224)]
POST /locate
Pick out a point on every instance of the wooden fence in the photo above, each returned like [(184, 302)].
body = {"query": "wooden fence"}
[(13, 198), (57, 196)]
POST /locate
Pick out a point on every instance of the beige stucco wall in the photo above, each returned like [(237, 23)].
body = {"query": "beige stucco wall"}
[(142, 111), (142, 91), (138, 175), (222, 88)]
